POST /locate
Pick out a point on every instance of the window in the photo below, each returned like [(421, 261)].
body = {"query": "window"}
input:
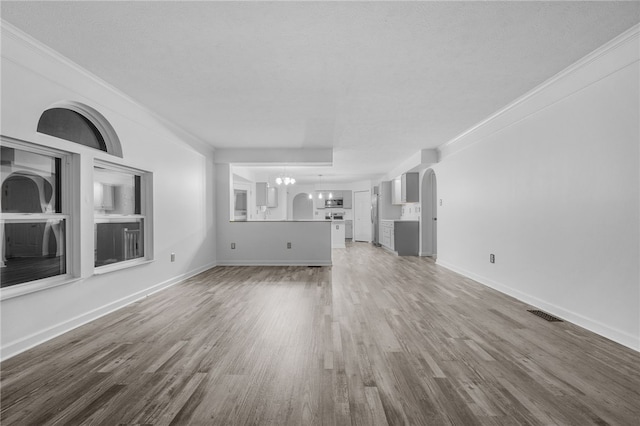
[(34, 221), (79, 123), (120, 214), (69, 125)]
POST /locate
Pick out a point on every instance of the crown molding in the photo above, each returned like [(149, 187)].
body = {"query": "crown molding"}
[(449, 147), (41, 49)]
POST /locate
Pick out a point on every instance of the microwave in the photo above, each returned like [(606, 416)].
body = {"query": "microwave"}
[(333, 202)]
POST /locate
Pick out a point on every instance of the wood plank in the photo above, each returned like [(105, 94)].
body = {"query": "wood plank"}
[(375, 339)]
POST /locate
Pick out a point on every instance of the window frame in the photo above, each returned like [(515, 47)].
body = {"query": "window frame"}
[(67, 201), (146, 215)]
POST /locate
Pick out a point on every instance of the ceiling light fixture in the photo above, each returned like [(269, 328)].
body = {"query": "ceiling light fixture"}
[(286, 179)]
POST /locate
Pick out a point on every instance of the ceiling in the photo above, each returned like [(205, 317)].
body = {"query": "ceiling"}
[(375, 81)]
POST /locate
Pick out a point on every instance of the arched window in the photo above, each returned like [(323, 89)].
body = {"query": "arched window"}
[(69, 125), (81, 124)]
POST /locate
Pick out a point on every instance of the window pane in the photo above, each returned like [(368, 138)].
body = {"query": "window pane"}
[(117, 241), (30, 182), (115, 192), (32, 251), (69, 125)]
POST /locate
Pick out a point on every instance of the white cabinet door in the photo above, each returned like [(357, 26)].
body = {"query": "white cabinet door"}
[(272, 197), (387, 234), (261, 194), (396, 191)]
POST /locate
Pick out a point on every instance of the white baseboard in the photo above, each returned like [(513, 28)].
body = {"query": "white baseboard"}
[(18, 346), (618, 336), (273, 263)]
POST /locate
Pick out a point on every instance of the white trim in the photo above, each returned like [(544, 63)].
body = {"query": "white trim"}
[(146, 215), (597, 327), (71, 251), (101, 270), (447, 148), (244, 262), (17, 346), (35, 286), (108, 133)]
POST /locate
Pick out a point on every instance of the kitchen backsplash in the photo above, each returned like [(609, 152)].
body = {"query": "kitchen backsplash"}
[(410, 212)]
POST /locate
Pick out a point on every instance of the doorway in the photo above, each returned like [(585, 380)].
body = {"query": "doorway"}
[(429, 223), (362, 216), (302, 207)]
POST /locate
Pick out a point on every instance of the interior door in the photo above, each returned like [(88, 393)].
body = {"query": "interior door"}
[(362, 216)]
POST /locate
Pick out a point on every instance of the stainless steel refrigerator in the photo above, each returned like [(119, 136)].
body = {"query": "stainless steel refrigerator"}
[(375, 217)]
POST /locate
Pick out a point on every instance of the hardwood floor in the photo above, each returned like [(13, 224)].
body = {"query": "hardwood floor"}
[(375, 339)]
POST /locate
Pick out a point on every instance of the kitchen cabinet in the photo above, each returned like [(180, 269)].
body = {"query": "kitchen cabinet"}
[(348, 229), (387, 238), (261, 194), (337, 234), (347, 197), (319, 201), (405, 236), (396, 191), (272, 197), (400, 236), (410, 183)]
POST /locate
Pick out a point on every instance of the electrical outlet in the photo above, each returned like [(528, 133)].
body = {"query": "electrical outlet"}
[(233, 246), (440, 201), (288, 245), (492, 258), (173, 257)]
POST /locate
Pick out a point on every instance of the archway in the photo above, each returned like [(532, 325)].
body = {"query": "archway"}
[(429, 225), (302, 207)]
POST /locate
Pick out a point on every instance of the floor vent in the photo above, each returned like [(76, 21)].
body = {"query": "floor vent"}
[(545, 315)]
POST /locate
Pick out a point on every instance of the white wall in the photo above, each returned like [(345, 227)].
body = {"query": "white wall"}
[(33, 79), (551, 187)]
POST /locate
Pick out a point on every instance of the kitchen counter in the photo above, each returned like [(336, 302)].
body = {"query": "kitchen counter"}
[(400, 236), (277, 220), (337, 234)]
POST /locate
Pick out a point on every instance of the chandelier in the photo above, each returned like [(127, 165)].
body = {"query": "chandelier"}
[(287, 180)]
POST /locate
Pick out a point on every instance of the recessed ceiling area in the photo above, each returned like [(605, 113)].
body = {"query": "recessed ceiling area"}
[(375, 81)]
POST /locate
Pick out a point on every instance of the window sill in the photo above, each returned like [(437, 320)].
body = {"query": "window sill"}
[(121, 265), (35, 286)]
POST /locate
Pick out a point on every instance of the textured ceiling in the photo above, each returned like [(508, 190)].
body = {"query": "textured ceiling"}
[(376, 81)]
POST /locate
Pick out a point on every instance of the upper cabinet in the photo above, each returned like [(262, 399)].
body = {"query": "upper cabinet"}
[(405, 189), (347, 199), (266, 195), (272, 197), (410, 191), (396, 191), (319, 201), (261, 194)]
